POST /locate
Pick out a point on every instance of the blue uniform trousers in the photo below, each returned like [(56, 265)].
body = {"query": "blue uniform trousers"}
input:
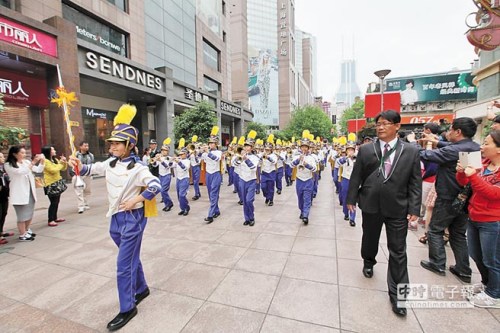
[(126, 230), (343, 196), (257, 187), (213, 181), (288, 174), (165, 186), (315, 183), (236, 184), (195, 173), (336, 179), (304, 195), (267, 181), (248, 191), (182, 186), (230, 172), (279, 179)]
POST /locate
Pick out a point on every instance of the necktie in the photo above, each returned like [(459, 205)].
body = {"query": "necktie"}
[(387, 162)]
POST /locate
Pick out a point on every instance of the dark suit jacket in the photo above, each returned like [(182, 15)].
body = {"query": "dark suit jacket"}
[(397, 195)]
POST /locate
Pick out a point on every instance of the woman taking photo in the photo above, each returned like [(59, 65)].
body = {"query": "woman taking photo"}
[(53, 180), (484, 221), (22, 188)]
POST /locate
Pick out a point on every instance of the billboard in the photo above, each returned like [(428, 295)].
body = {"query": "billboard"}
[(263, 86), (434, 88), (373, 103)]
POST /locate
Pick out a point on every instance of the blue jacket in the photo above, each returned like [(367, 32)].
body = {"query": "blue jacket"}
[(447, 157)]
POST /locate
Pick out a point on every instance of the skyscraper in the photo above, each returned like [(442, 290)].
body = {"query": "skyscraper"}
[(348, 89)]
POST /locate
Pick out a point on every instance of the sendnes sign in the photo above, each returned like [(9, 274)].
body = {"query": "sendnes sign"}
[(20, 35)]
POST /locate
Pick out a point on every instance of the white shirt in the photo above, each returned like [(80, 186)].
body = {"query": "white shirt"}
[(304, 173), (281, 158), (164, 167), (194, 159), (269, 163), (237, 166), (182, 168), (22, 181), (409, 96), (249, 172), (347, 167), (212, 161), (391, 143)]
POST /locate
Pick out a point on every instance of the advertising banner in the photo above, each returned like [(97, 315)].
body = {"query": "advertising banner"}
[(373, 103), (434, 88), (23, 36), (23, 90), (263, 86), (355, 125)]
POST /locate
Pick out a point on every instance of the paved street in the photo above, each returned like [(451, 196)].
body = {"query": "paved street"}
[(278, 276)]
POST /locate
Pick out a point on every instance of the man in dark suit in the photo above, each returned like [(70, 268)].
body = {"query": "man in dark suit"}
[(387, 183), (153, 145)]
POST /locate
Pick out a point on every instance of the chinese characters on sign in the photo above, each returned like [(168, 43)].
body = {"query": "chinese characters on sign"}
[(195, 95), (17, 34), (421, 295), (448, 88), (283, 30)]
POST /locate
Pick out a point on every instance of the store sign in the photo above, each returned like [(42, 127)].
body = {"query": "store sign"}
[(97, 114), (423, 89), (23, 36), (123, 71), (194, 95), (23, 90), (283, 30), (230, 108), (427, 118)]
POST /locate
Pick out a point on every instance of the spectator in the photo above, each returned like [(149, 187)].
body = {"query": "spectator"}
[(52, 174), (87, 158), (4, 200), (447, 188), (22, 188), (146, 156), (484, 221)]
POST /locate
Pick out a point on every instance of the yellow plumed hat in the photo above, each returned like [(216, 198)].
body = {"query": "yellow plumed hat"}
[(166, 144), (235, 140), (214, 135), (251, 138), (123, 131), (194, 138), (182, 143), (241, 141), (351, 137), (343, 140)]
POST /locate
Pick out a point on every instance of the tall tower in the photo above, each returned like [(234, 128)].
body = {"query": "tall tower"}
[(348, 89)]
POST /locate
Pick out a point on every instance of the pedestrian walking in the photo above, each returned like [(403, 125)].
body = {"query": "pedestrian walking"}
[(83, 193)]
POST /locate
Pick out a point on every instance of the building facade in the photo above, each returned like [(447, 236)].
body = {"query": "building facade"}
[(110, 53)]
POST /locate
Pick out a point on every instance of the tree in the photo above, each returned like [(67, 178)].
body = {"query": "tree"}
[(10, 135), (261, 129), (196, 121), (309, 117), (356, 111)]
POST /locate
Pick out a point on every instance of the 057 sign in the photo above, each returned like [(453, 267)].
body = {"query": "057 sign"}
[(426, 119)]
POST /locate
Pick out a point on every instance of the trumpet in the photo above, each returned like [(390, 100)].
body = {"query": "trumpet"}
[(192, 147)]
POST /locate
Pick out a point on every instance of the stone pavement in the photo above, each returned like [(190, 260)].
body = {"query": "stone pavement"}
[(278, 276)]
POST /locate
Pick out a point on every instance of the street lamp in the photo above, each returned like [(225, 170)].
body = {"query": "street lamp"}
[(381, 74)]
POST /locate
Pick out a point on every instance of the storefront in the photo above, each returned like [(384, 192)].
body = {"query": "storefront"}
[(231, 117), (107, 81)]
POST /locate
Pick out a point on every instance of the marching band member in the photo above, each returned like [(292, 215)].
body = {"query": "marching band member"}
[(129, 207), (248, 176), (316, 175), (212, 157), (288, 166), (306, 166), (237, 167), (164, 170), (229, 161), (332, 156), (181, 165), (194, 160), (347, 163), (281, 155), (259, 150), (268, 172)]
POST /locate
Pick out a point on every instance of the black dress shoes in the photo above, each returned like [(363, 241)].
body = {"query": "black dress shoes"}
[(251, 223), (216, 215), (301, 216), (180, 213), (278, 191), (270, 203), (168, 209), (240, 203), (246, 222), (209, 220), (267, 201), (196, 197), (432, 267), (346, 218), (305, 220), (121, 319), (352, 223), (463, 277), (185, 213), (368, 272), (141, 296), (399, 311)]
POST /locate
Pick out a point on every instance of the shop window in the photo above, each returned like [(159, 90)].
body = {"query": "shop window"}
[(122, 4), (211, 56), (6, 3), (95, 32), (210, 85)]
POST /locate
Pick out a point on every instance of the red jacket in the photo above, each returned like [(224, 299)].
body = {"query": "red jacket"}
[(484, 204)]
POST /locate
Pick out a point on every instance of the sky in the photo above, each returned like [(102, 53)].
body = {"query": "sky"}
[(410, 37)]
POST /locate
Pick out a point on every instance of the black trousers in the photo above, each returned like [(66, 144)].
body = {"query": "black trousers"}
[(4, 206), (54, 206), (396, 231)]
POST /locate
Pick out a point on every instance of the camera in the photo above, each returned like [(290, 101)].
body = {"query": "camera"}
[(419, 133)]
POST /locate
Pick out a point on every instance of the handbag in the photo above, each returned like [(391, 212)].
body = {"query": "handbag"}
[(56, 188), (461, 203)]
